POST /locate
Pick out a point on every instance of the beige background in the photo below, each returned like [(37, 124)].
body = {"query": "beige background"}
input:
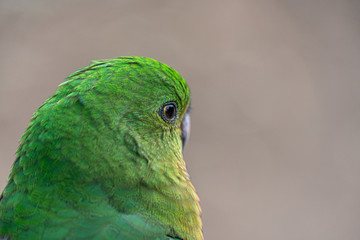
[(275, 145)]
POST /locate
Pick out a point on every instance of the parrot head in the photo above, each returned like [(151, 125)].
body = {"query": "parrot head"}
[(112, 134)]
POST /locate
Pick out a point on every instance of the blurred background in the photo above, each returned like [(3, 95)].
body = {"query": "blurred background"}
[(274, 151)]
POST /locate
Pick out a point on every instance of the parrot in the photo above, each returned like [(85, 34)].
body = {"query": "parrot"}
[(102, 158)]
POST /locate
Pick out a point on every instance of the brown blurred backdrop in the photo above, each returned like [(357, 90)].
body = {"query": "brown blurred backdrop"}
[(275, 144)]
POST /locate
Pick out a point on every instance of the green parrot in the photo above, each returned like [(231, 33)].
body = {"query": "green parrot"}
[(102, 159)]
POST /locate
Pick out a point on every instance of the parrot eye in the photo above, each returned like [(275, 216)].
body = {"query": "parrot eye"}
[(168, 111)]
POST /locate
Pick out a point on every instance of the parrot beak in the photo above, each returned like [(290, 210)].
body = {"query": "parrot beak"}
[(185, 129)]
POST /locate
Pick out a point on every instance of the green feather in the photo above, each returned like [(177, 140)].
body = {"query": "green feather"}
[(98, 161)]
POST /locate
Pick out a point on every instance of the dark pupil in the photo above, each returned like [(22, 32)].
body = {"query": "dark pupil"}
[(169, 111)]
